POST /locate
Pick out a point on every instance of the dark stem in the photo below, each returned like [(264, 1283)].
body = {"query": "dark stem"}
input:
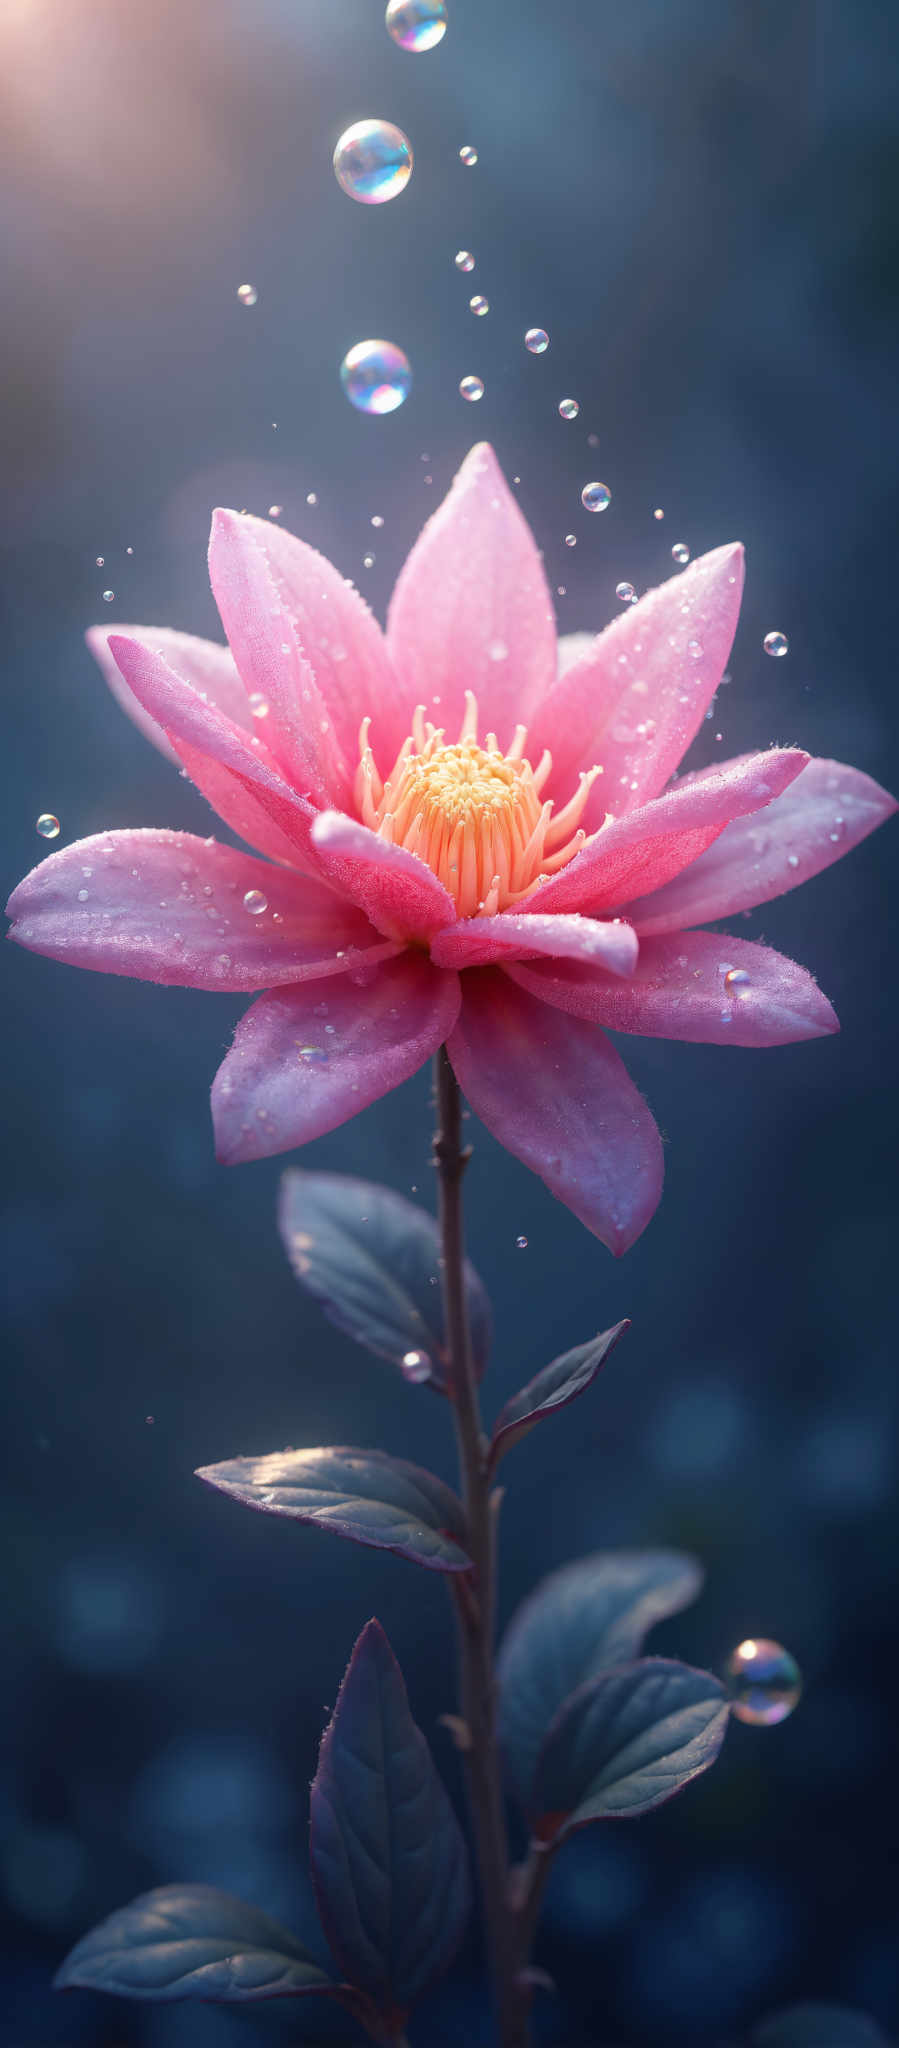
[(475, 1596)]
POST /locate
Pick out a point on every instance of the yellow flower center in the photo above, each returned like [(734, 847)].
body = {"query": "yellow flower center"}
[(473, 813)]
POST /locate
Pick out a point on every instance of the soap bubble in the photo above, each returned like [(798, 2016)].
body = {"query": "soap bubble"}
[(416, 1367), (764, 1680), (464, 259), (468, 155), (373, 162), (775, 643), (416, 24), (537, 340), (680, 552), (247, 294), (595, 497), (479, 305), (46, 826), (569, 408), (376, 376), (472, 388), (255, 902), (626, 592)]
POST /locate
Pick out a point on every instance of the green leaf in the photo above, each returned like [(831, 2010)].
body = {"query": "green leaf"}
[(626, 1742)]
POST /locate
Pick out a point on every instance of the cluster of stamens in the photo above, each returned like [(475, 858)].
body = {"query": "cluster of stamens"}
[(473, 813)]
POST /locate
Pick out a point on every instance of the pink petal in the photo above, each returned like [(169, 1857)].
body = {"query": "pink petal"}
[(207, 667), (824, 813), (638, 698), (632, 854), (477, 941), (273, 593), (233, 768), (679, 990), (306, 1059), (471, 609), (169, 907), (556, 1094), (398, 892)]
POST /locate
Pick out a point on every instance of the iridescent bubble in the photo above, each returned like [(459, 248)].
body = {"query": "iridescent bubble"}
[(101, 561), (472, 388), (464, 259), (680, 551), (46, 826), (595, 497), (776, 644), (765, 1681), (247, 294), (373, 162), (376, 376), (569, 408), (275, 511), (255, 902), (416, 24), (537, 340), (521, 1244), (468, 155), (416, 1367), (109, 597), (571, 540), (658, 513), (368, 561), (479, 305), (626, 592)]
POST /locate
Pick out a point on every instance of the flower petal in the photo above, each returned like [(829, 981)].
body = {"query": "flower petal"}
[(208, 667), (398, 892), (638, 698), (306, 639), (477, 941), (643, 850), (295, 1072), (233, 768), (680, 990), (471, 609), (558, 1096), (824, 813), (168, 907)]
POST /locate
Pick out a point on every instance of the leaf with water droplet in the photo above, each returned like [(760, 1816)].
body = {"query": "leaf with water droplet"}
[(554, 1387)]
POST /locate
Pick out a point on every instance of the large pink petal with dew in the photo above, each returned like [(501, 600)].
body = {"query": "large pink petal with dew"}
[(233, 768), (555, 1093), (305, 1059), (824, 813), (471, 609), (273, 591), (638, 698), (168, 907), (398, 891), (478, 941), (633, 854), (681, 990), (209, 668)]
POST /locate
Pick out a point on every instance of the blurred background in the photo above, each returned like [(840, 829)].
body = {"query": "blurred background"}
[(698, 205)]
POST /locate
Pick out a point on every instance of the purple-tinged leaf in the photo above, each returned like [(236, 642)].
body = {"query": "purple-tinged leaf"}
[(190, 1941), (366, 1496), (818, 2026), (372, 1259), (581, 1620), (558, 1383), (388, 1860), (625, 1742)]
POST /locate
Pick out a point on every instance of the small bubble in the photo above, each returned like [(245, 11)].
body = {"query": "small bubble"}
[(765, 1682), (468, 155), (792, 860), (247, 294), (313, 1055), (101, 561), (109, 597), (275, 511), (776, 644), (83, 895), (312, 497), (373, 162), (46, 826), (376, 519), (658, 513), (129, 551), (569, 408), (149, 1420), (368, 561), (680, 551), (258, 704), (626, 592), (595, 497), (376, 377), (416, 1367), (571, 540), (537, 340), (472, 388), (521, 1244), (464, 259), (416, 24), (255, 902), (479, 305)]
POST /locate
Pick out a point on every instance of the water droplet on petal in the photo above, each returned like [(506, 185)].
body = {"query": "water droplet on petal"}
[(247, 294), (792, 860), (46, 826), (537, 340), (416, 24), (479, 305), (737, 978), (765, 1682), (464, 259), (472, 388), (595, 497), (255, 902), (373, 162), (776, 644), (695, 650), (680, 551), (468, 155), (569, 408), (416, 1367), (83, 895), (258, 704), (376, 377)]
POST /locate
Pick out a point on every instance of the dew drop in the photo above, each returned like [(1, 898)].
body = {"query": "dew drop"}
[(247, 294), (626, 592), (695, 650), (255, 902), (776, 644), (416, 1367), (468, 155), (416, 24), (472, 388), (313, 1055), (595, 497), (109, 597), (521, 1244), (376, 377), (765, 1681), (792, 860), (569, 408), (464, 259), (537, 340), (479, 305), (258, 704), (737, 978), (373, 162), (680, 551), (46, 826), (83, 895)]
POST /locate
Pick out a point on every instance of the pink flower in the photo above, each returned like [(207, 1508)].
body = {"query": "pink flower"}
[(462, 844)]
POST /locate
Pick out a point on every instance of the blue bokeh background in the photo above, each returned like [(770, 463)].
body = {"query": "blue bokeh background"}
[(698, 204)]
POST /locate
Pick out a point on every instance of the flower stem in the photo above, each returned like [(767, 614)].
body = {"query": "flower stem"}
[(475, 1594)]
